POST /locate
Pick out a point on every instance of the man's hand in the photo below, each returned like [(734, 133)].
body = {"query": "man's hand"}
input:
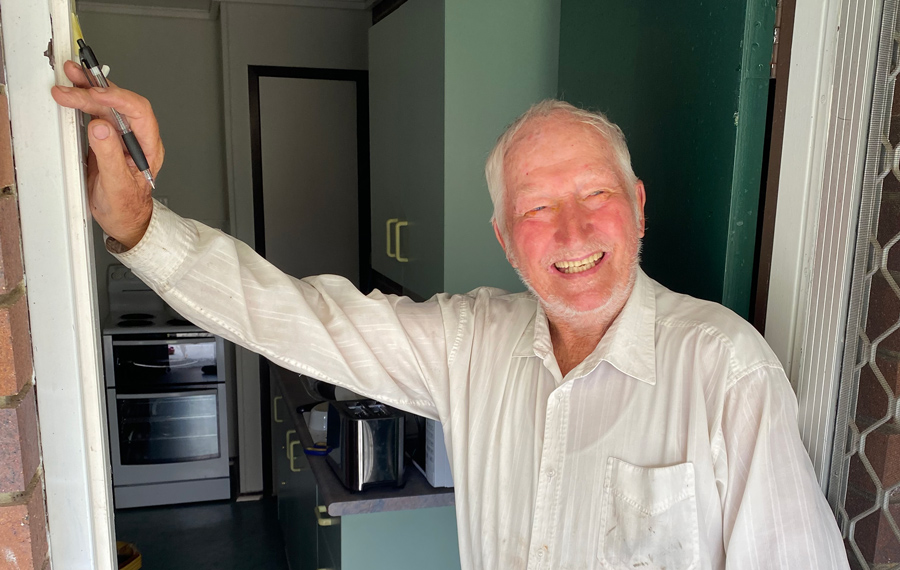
[(118, 193)]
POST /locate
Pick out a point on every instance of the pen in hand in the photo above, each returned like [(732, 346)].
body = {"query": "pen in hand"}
[(95, 77)]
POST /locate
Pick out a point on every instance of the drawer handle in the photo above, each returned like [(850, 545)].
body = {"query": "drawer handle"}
[(291, 457), (287, 442), (397, 241), (388, 237), (323, 519), (275, 410)]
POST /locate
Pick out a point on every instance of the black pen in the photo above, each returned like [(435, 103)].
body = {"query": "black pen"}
[(95, 77)]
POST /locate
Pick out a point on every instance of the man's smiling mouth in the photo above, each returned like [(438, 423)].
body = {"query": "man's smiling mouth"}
[(580, 265)]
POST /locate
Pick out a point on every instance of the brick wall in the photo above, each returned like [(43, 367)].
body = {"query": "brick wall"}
[(23, 522)]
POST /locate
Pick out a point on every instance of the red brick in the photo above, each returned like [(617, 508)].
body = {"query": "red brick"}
[(19, 445), (884, 312), (10, 245), (872, 399), (889, 212), (7, 171), (872, 533), (882, 449), (23, 533), (15, 348)]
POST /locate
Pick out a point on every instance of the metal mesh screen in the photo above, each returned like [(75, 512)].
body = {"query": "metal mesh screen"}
[(864, 488)]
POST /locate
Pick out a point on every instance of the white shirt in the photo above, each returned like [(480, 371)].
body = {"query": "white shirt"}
[(673, 445)]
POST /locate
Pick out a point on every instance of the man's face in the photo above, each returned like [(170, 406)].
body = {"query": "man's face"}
[(574, 228)]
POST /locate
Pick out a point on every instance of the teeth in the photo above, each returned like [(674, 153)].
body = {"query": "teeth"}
[(578, 266)]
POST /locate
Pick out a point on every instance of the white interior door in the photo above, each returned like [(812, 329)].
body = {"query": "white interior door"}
[(310, 176)]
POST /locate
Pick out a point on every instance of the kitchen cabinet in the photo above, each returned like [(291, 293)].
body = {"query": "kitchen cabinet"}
[(445, 78), (366, 536), (295, 486), (406, 122)]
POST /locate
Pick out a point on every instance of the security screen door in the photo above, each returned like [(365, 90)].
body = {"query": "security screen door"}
[(864, 488)]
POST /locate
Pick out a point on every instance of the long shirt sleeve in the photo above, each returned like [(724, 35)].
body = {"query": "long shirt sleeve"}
[(377, 345)]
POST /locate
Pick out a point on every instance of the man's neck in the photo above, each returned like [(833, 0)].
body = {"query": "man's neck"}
[(572, 343), (575, 337)]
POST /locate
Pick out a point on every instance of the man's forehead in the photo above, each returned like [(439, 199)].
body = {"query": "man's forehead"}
[(544, 138), (546, 134), (590, 175)]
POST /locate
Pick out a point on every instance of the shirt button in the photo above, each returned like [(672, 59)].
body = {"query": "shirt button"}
[(540, 553), (551, 473)]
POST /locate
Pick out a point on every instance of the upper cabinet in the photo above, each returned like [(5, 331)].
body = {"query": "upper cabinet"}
[(444, 81), (406, 98)]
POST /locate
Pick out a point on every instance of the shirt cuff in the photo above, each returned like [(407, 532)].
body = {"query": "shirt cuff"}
[(162, 250)]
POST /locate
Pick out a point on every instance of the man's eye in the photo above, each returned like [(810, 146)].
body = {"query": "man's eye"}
[(535, 210), (595, 193)]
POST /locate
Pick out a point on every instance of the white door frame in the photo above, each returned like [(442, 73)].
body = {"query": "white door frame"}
[(832, 70), (59, 268)]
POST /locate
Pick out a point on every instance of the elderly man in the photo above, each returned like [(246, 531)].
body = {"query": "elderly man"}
[(599, 421)]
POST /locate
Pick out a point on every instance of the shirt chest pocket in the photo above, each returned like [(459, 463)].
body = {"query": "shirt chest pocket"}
[(649, 517)]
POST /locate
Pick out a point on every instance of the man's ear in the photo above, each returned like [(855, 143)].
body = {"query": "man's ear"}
[(500, 239), (640, 197)]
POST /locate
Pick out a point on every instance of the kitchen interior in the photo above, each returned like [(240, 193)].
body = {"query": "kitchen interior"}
[(348, 137)]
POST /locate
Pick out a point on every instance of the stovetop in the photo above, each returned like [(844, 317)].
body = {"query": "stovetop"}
[(134, 308)]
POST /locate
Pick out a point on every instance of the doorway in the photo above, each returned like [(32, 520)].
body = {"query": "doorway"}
[(310, 166)]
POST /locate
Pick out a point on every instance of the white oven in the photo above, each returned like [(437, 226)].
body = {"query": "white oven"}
[(165, 400)]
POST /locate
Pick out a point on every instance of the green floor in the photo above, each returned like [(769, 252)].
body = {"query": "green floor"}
[(221, 535)]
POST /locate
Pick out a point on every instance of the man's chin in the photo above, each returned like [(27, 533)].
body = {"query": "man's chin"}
[(587, 309)]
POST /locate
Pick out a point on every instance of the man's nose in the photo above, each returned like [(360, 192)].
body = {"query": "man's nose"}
[(573, 226)]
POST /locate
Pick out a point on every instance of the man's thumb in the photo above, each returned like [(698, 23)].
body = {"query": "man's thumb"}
[(108, 150)]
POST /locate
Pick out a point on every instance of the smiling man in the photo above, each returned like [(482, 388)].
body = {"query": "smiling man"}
[(598, 421)]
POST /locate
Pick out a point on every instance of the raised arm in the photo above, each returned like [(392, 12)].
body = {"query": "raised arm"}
[(386, 347)]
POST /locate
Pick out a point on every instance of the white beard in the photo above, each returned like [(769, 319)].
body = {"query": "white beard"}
[(560, 312)]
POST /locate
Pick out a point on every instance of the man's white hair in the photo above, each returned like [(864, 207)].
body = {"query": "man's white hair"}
[(611, 132)]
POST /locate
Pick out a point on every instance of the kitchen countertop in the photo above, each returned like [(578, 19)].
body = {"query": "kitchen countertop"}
[(417, 493)]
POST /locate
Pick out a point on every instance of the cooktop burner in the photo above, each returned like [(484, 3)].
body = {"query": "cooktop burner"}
[(136, 316), (135, 323)]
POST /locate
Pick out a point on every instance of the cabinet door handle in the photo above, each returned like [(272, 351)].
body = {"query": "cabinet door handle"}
[(291, 457), (275, 410), (287, 442), (323, 519), (388, 237), (397, 241)]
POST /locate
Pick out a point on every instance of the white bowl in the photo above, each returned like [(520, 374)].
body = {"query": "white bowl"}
[(318, 417)]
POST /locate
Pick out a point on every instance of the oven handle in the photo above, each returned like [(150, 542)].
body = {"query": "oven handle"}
[(143, 396), (169, 366), (192, 340)]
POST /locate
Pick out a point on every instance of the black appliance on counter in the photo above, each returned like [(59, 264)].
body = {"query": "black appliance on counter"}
[(365, 442)]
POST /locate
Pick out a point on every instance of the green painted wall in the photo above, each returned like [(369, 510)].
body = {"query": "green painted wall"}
[(687, 82), (500, 57)]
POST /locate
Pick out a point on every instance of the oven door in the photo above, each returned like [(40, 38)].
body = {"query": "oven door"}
[(135, 364), (175, 435)]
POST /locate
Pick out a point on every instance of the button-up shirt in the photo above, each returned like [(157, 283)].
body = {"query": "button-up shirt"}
[(673, 445)]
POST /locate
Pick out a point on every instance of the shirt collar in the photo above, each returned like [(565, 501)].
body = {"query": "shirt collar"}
[(629, 344)]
